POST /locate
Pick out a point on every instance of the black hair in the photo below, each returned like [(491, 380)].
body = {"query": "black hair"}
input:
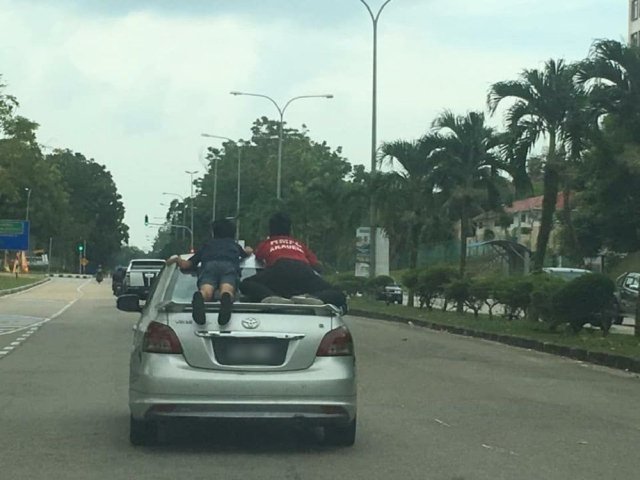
[(280, 224), (223, 229)]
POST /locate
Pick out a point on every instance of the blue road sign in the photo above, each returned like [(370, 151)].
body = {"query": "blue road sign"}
[(14, 235)]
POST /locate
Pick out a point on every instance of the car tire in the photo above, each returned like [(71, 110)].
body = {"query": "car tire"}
[(143, 432), (340, 435)]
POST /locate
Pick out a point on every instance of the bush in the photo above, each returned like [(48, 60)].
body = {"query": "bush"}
[(350, 284), (431, 283), (410, 281), (515, 295), (374, 285), (544, 289), (586, 299), (481, 293), (458, 291)]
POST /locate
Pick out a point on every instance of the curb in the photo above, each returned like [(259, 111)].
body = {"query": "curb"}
[(598, 358), (11, 291)]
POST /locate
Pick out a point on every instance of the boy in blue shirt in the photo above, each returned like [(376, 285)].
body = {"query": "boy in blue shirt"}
[(219, 260)]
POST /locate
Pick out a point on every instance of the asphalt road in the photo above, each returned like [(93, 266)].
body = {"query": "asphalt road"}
[(432, 406)]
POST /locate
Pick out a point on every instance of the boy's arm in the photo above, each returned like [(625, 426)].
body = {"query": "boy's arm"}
[(182, 264)]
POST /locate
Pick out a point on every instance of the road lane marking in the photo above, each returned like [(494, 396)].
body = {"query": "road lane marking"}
[(444, 424), (35, 327)]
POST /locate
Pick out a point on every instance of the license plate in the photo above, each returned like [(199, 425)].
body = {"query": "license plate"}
[(258, 351)]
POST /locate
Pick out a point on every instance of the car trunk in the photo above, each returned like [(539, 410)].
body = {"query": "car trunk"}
[(258, 336)]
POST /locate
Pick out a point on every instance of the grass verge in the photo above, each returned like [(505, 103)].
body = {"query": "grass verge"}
[(8, 281), (589, 339)]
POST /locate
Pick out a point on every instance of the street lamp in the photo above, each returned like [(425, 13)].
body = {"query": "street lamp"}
[(28, 190), (183, 213), (215, 180), (374, 146), (191, 174), (280, 132)]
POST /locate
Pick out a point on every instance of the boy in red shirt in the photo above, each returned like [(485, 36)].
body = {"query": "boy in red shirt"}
[(290, 271)]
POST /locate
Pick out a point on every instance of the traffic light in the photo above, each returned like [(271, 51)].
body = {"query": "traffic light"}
[(146, 220), (80, 247)]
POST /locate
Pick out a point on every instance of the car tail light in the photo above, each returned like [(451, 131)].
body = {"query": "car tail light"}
[(160, 338), (336, 343)]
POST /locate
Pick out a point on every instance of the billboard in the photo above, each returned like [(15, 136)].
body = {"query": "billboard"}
[(14, 235), (363, 249)]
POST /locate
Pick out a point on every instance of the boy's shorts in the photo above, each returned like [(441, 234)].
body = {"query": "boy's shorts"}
[(217, 272)]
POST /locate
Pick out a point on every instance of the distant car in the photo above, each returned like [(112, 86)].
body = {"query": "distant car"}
[(566, 274), (140, 276), (281, 363), (390, 293), (627, 294)]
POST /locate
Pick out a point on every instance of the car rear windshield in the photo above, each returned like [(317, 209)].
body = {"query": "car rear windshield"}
[(184, 284), (142, 265)]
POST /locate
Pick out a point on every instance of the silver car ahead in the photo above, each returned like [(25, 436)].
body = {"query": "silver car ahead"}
[(271, 361)]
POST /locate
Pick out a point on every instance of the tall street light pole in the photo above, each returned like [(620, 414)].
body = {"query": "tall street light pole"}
[(215, 179), (28, 202), (191, 173), (281, 111), (374, 142), (28, 189)]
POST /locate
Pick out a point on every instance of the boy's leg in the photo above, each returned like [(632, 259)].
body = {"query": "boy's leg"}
[(198, 312), (256, 287), (229, 277), (226, 303), (207, 291)]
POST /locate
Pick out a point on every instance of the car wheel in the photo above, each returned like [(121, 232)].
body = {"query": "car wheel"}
[(340, 435), (142, 432)]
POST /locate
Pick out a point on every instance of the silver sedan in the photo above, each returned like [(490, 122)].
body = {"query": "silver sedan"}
[(271, 361)]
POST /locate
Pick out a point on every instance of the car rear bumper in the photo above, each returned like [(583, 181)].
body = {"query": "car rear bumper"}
[(166, 386)]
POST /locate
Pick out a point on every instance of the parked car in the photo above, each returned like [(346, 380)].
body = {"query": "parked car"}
[(288, 363), (566, 274), (390, 293), (140, 276), (627, 293)]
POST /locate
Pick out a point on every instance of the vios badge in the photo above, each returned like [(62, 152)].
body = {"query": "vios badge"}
[(250, 323)]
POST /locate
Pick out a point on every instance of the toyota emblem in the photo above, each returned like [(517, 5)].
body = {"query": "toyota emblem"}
[(250, 323)]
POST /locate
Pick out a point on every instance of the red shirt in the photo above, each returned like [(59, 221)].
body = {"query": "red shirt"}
[(274, 248)]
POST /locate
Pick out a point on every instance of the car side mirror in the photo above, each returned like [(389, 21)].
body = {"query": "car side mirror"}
[(129, 303)]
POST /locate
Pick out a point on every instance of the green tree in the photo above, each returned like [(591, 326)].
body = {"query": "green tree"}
[(405, 198), (468, 169), (96, 211), (546, 104), (611, 76), (324, 195)]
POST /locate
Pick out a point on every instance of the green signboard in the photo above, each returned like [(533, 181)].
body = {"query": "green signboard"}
[(11, 227)]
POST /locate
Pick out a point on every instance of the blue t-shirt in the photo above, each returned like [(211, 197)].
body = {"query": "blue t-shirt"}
[(219, 249)]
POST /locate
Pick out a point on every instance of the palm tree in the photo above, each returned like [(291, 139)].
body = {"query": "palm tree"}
[(611, 76), (546, 104), (468, 168), (405, 197)]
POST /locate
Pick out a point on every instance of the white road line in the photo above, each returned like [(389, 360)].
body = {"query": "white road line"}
[(34, 327)]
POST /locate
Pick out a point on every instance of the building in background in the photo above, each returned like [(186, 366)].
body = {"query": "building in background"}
[(634, 23)]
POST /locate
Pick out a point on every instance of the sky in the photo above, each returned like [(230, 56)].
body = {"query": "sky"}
[(133, 83)]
